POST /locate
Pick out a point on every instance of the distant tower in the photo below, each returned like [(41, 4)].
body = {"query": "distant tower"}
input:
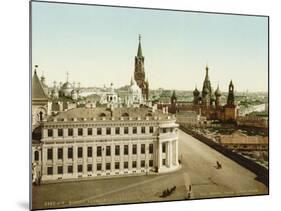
[(139, 73), (207, 89), (230, 97), (196, 96), (218, 96), (174, 103), (230, 111)]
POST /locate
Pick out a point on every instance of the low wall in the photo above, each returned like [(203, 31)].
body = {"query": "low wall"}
[(261, 172)]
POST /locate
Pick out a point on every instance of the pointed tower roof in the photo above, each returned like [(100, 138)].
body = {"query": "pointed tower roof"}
[(196, 92), (207, 73), (139, 48), (38, 92), (218, 92)]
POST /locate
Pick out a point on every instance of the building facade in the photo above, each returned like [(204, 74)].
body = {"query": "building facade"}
[(101, 142)]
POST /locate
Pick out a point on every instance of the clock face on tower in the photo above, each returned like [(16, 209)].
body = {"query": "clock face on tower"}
[(139, 76)]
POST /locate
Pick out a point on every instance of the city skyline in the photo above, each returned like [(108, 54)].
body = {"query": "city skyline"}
[(97, 46)]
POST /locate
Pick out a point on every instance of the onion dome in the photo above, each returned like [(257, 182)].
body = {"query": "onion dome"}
[(196, 92), (218, 92), (66, 85), (206, 90)]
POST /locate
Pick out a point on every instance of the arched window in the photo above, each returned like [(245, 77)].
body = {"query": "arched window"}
[(148, 114), (40, 116), (125, 115), (102, 115)]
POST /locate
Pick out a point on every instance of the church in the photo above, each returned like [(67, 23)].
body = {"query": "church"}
[(206, 103)]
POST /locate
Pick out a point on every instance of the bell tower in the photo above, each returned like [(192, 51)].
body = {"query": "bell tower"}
[(139, 73)]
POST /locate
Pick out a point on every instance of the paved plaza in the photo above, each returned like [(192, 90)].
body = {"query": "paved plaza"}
[(198, 168)]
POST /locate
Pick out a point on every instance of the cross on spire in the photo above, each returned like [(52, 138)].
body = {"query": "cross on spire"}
[(67, 75)]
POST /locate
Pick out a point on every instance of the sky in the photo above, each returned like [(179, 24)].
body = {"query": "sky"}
[(97, 46)]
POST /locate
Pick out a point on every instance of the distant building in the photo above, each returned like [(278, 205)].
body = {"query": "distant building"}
[(41, 104), (207, 103), (101, 142), (241, 142)]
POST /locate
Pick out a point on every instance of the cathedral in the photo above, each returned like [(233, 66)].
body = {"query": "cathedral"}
[(207, 103), (139, 73)]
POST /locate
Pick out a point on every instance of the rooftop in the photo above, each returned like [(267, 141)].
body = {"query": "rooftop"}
[(100, 113)]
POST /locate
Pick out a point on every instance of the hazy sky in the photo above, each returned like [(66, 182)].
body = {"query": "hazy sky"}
[(97, 46)]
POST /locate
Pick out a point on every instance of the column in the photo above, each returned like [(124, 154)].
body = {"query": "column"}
[(122, 157), (55, 159), (94, 158), (130, 157), (103, 149), (159, 155), (85, 158), (167, 154), (112, 158), (44, 161), (170, 153), (74, 162), (65, 149), (177, 152)]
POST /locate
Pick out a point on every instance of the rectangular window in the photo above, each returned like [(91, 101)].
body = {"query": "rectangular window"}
[(98, 131), (164, 162), (163, 148), (90, 152), (80, 168), (70, 153), (126, 130), (117, 165), (143, 149), (143, 163), (142, 129), (150, 148), (80, 131), (60, 153), (70, 131), (60, 170), (117, 130), (164, 130), (108, 131), (99, 151), (60, 132), (50, 170), (107, 166), (90, 131), (126, 164), (150, 163), (36, 155), (108, 150), (134, 164), (70, 169), (117, 150), (99, 167), (134, 149), (50, 154), (89, 167), (151, 129), (80, 152), (50, 132), (126, 149), (134, 130)]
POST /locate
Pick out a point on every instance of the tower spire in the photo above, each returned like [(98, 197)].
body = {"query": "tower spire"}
[(139, 48)]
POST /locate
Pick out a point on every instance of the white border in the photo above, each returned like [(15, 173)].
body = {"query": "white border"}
[(14, 104)]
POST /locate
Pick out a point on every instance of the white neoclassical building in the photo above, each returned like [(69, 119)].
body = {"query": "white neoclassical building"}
[(102, 142)]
